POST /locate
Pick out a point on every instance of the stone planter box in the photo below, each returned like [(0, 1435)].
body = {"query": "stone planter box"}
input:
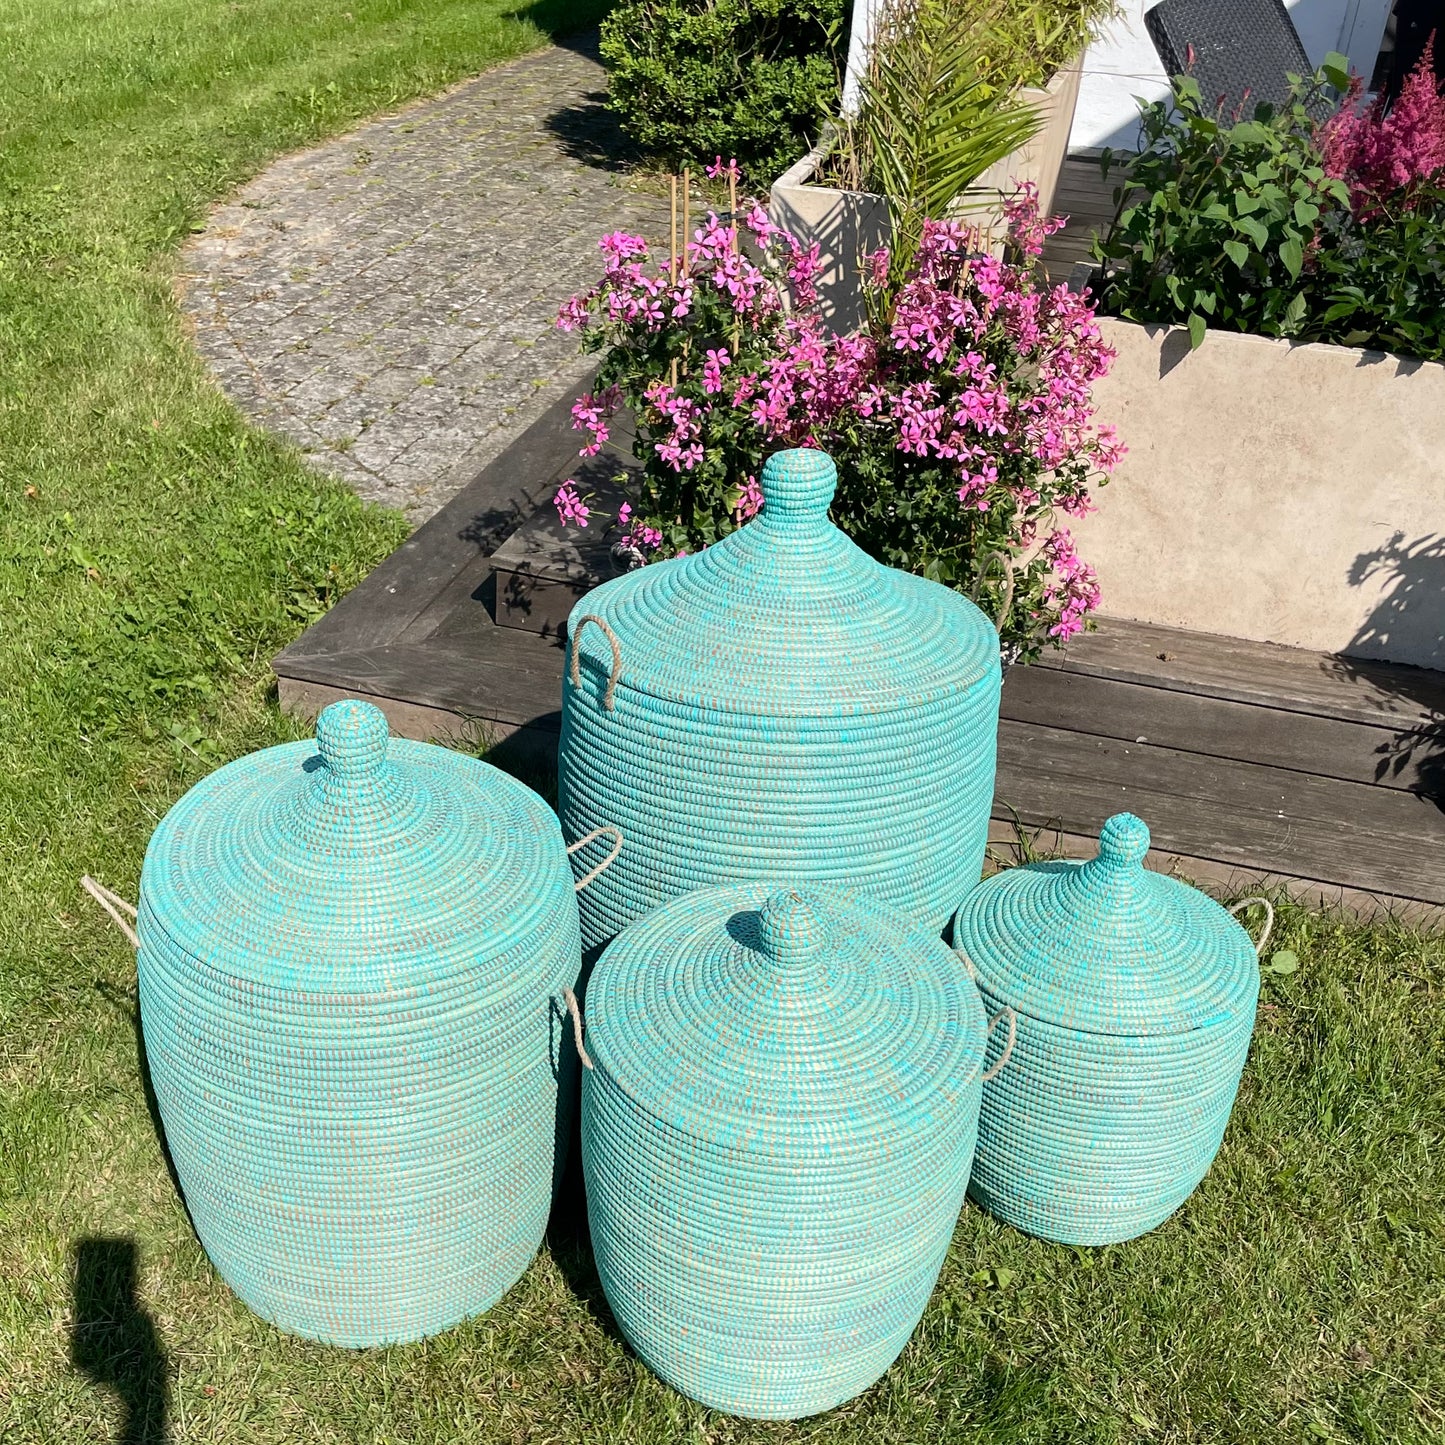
[(1274, 492), (848, 225)]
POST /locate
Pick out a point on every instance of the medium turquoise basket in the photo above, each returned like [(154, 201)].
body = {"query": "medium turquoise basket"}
[(779, 705), (352, 960), (778, 1118), (1135, 1000)]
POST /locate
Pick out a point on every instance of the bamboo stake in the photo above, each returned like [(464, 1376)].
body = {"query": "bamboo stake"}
[(737, 246), (672, 265), (686, 232)]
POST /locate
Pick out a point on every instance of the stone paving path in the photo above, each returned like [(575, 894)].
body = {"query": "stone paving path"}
[(387, 300)]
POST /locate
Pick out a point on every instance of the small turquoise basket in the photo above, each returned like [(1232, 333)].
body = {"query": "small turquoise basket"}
[(780, 706), (352, 962), (778, 1118), (1135, 1000)]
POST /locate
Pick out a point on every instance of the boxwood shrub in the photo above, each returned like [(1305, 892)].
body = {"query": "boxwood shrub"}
[(754, 79)]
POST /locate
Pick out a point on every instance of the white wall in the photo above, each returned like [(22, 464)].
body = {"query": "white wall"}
[(1121, 63)]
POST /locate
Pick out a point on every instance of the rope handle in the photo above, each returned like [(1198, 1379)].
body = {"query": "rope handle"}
[(577, 1026), (1237, 908), (114, 905), (1008, 1048), (1008, 586), (606, 863), (609, 698), (1013, 1022)]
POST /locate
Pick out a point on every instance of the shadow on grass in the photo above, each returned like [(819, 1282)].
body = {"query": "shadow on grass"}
[(113, 1341), (569, 1241), (125, 1003)]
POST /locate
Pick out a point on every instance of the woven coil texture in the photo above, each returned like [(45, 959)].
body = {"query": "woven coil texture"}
[(1135, 996), (351, 968), (780, 706), (777, 1130)]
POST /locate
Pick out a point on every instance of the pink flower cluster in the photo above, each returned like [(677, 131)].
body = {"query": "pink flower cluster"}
[(973, 389), (636, 536), (1033, 413), (1074, 590), (1379, 153), (628, 293)]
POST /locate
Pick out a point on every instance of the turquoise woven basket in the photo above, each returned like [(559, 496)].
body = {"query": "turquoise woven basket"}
[(351, 969), (778, 1118), (1135, 998), (780, 706)]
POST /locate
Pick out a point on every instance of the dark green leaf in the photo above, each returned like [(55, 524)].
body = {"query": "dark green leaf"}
[(1292, 253), (1255, 229), (1196, 331), (1237, 252)]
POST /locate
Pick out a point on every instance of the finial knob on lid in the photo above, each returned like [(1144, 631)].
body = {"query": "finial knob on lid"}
[(1124, 839), (352, 737), (790, 930), (798, 483)]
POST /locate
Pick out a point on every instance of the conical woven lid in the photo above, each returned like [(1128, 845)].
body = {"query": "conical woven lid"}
[(351, 863), (787, 617), (1107, 947), (795, 1022)]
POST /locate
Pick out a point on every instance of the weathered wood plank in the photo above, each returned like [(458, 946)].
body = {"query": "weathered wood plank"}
[(1290, 678), (1380, 839), (1245, 732), (515, 680), (467, 529)]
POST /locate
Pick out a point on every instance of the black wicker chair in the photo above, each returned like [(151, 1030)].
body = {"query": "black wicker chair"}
[(1241, 50)]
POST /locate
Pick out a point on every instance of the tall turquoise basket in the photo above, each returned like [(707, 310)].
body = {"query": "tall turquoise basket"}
[(780, 705), (778, 1117), (1135, 998), (353, 956)]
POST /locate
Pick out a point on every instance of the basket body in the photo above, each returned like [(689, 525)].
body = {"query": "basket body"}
[(1135, 997), (776, 1149), (784, 707), (350, 990)]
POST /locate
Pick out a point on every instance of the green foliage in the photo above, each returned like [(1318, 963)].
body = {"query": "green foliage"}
[(1380, 281), (1237, 226), (1215, 217), (692, 80), (1031, 40), (936, 114)]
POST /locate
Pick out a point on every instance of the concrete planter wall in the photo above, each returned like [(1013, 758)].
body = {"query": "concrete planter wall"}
[(1280, 493), (848, 225)]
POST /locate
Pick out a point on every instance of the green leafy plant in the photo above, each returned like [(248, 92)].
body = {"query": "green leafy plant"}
[(692, 80), (1034, 39), (937, 112), (1259, 225), (1217, 216), (1380, 282)]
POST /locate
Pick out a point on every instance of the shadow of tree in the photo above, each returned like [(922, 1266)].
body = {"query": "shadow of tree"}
[(113, 1341), (1409, 619), (589, 133)]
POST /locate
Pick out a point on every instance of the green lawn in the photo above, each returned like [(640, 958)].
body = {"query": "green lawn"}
[(156, 552)]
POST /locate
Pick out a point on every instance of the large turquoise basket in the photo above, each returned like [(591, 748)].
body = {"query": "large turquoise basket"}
[(777, 1125), (352, 962), (779, 706), (1135, 999)]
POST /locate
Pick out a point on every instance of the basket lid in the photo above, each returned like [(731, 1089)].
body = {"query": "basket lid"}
[(350, 864), (787, 617), (785, 1021), (1106, 946)]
